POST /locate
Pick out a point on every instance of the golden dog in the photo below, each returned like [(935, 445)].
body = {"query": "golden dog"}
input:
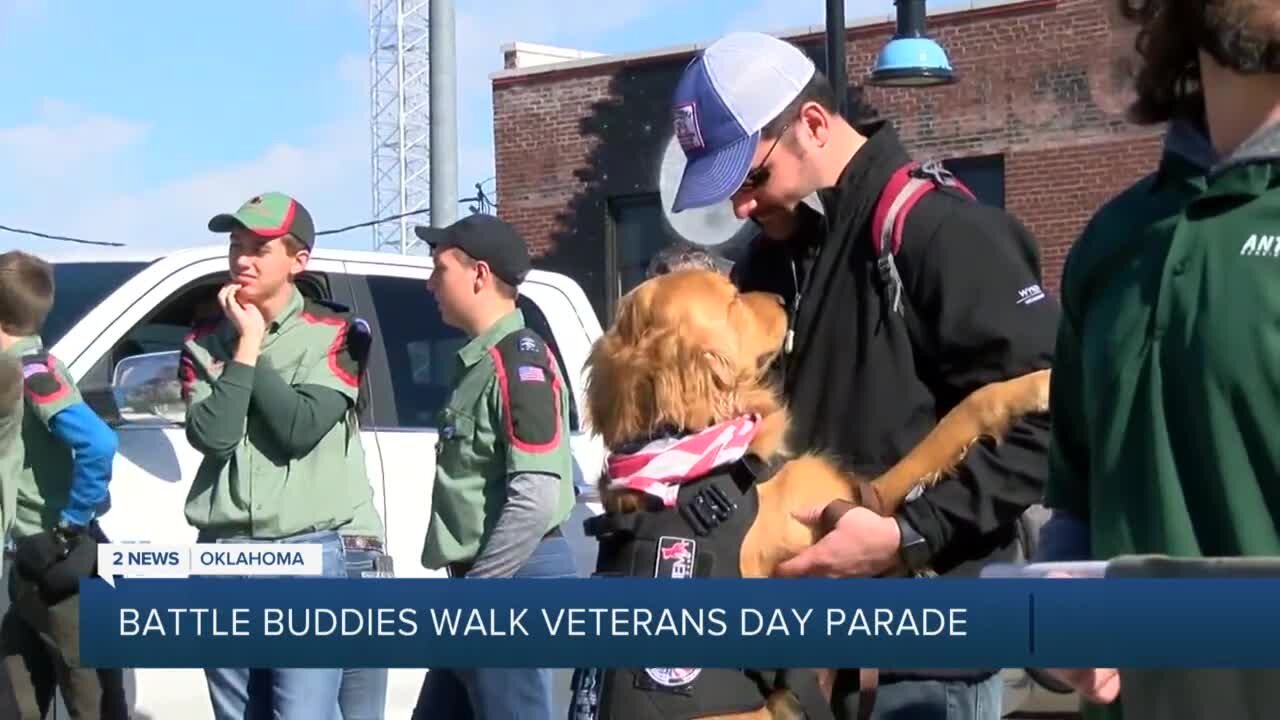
[(687, 351)]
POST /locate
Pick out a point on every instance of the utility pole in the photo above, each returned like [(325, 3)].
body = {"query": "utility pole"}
[(444, 115), (836, 56)]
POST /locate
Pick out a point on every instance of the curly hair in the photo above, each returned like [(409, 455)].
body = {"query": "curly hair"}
[(681, 256), (1241, 35)]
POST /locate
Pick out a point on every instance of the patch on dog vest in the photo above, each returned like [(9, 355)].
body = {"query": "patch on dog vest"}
[(676, 557)]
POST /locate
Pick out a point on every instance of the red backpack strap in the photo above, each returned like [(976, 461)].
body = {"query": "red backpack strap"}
[(906, 186)]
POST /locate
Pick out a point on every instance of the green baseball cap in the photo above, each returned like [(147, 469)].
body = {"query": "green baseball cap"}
[(270, 215)]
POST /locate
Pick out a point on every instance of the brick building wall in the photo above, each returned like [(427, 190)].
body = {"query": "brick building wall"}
[(1042, 87)]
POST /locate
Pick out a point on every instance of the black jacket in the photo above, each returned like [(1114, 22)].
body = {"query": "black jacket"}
[(858, 388)]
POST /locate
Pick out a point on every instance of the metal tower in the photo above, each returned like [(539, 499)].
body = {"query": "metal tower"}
[(399, 116)]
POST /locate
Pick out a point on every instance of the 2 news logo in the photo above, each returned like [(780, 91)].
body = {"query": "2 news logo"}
[(142, 560), (161, 558)]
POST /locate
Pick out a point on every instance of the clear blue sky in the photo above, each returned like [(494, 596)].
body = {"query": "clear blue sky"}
[(135, 121)]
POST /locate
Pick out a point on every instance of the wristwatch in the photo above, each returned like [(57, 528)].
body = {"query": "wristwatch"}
[(913, 548)]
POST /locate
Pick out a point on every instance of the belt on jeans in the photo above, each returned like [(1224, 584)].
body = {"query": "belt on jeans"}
[(362, 542), (461, 568)]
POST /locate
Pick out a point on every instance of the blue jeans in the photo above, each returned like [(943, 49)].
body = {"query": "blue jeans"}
[(939, 700), (286, 693), (363, 694), (499, 693)]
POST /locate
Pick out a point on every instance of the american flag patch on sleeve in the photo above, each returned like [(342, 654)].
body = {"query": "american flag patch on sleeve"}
[(530, 373)]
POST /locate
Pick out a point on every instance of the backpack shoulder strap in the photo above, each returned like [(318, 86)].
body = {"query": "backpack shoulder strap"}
[(906, 186)]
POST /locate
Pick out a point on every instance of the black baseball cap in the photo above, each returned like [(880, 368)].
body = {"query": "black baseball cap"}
[(269, 215), (483, 237)]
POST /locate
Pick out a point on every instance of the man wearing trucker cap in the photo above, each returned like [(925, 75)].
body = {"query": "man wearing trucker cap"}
[(883, 340), (504, 473), (270, 390)]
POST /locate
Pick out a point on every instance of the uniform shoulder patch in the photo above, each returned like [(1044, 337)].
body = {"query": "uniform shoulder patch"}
[(41, 380), (359, 342), (349, 351), (349, 346), (530, 389), (324, 311)]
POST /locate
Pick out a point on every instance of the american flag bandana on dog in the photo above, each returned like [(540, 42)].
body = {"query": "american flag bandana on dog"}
[(661, 466)]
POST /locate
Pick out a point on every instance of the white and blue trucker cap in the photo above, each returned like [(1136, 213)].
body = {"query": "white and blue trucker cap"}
[(725, 96)]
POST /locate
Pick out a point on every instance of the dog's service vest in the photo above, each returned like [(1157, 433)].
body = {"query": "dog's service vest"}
[(700, 537)]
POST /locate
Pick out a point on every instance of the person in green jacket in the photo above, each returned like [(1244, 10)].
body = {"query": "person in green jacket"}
[(504, 470), (271, 389), (1165, 391)]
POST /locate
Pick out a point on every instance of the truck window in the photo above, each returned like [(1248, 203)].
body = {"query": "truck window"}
[(78, 288), (420, 351), (165, 328)]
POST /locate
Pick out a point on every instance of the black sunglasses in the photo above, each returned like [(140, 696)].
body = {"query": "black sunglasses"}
[(759, 175)]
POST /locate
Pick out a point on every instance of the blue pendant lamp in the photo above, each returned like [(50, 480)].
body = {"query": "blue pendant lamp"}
[(911, 59)]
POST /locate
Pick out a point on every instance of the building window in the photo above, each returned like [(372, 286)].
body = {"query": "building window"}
[(983, 174), (637, 231)]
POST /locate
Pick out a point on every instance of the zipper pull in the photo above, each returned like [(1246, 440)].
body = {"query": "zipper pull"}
[(790, 341)]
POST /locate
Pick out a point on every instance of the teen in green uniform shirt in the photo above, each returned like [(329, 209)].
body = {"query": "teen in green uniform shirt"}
[(504, 472), (61, 489), (270, 391), (1165, 391)]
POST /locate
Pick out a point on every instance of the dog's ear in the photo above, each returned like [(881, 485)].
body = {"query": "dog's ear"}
[(693, 384), (721, 370), (618, 390), (619, 387)]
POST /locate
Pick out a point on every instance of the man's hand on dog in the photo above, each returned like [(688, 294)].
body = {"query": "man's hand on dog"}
[(862, 544)]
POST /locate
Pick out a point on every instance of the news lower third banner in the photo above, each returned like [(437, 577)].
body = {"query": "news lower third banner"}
[(305, 621)]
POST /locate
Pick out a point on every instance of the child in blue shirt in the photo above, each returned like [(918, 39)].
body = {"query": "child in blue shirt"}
[(60, 491)]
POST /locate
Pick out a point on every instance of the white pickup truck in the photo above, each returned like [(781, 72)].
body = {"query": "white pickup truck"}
[(119, 318)]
